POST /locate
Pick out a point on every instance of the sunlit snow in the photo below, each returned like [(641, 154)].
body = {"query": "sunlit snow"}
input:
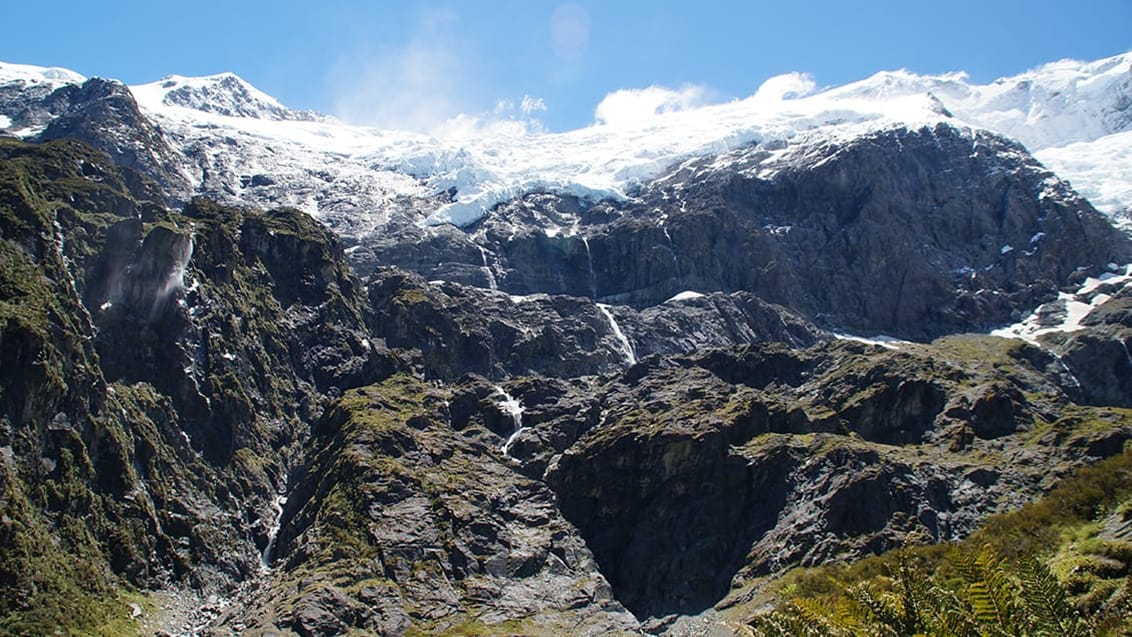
[(1065, 313), (883, 340), (29, 74), (686, 295), (1068, 113)]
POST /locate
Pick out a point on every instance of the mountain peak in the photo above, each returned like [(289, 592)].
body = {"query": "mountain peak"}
[(224, 94), (52, 76)]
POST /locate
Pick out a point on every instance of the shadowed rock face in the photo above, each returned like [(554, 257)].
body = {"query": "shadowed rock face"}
[(702, 472), (669, 517), (1100, 355), (157, 378), (460, 329), (915, 233), (683, 477), (104, 114), (427, 526), (525, 459)]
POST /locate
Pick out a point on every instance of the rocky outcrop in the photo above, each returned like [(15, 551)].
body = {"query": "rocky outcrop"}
[(1096, 348), (705, 472), (914, 233), (460, 329), (159, 372), (104, 114), (400, 522), (1102, 354), (91, 468)]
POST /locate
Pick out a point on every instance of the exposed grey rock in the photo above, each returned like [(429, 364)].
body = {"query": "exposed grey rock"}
[(103, 113), (461, 329), (400, 518), (703, 472), (914, 233), (1099, 355), (158, 373)]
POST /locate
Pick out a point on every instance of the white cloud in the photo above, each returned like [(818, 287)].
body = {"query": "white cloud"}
[(468, 128), (628, 106), (504, 120), (502, 107), (785, 87), (415, 86), (532, 104), (429, 84)]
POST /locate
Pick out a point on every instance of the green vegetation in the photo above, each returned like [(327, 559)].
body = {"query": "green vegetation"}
[(1075, 425), (347, 475), (476, 628), (99, 468), (987, 599), (1050, 568)]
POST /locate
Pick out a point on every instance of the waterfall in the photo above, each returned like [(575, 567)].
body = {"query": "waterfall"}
[(626, 346), (175, 281), (514, 409), (491, 283), (1073, 376), (1127, 354), (590, 261), (273, 532), (671, 248)]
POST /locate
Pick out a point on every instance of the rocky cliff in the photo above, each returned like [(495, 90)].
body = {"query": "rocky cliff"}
[(159, 371), (567, 417), (908, 232)]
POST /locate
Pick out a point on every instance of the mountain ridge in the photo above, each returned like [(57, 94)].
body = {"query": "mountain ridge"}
[(269, 374), (1056, 105)]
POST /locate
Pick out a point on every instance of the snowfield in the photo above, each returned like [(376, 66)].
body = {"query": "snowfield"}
[(1065, 314), (243, 145)]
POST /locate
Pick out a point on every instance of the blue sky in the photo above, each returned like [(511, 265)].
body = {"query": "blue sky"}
[(411, 64)]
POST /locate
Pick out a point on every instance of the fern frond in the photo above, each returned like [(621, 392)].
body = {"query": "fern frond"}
[(821, 618), (912, 593), (1046, 603), (990, 592), (799, 618), (942, 614), (882, 615)]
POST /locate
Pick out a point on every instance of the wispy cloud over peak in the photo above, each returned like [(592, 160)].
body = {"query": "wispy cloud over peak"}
[(415, 86), (627, 106)]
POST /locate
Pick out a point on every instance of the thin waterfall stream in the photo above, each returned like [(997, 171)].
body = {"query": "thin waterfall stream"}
[(514, 409), (626, 346)]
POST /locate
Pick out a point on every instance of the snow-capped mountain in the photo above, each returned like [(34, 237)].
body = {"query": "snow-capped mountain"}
[(242, 145), (391, 194), (294, 416), (24, 83), (222, 94), (1074, 116)]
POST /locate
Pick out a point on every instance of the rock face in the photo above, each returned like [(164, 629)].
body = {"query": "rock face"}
[(158, 372), (913, 233), (475, 506), (429, 527), (103, 113), (529, 425), (460, 329), (704, 472), (1100, 355)]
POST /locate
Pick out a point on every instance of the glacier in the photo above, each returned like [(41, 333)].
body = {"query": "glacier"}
[(1076, 117)]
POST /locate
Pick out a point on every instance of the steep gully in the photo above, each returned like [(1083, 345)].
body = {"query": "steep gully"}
[(695, 581), (273, 318)]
